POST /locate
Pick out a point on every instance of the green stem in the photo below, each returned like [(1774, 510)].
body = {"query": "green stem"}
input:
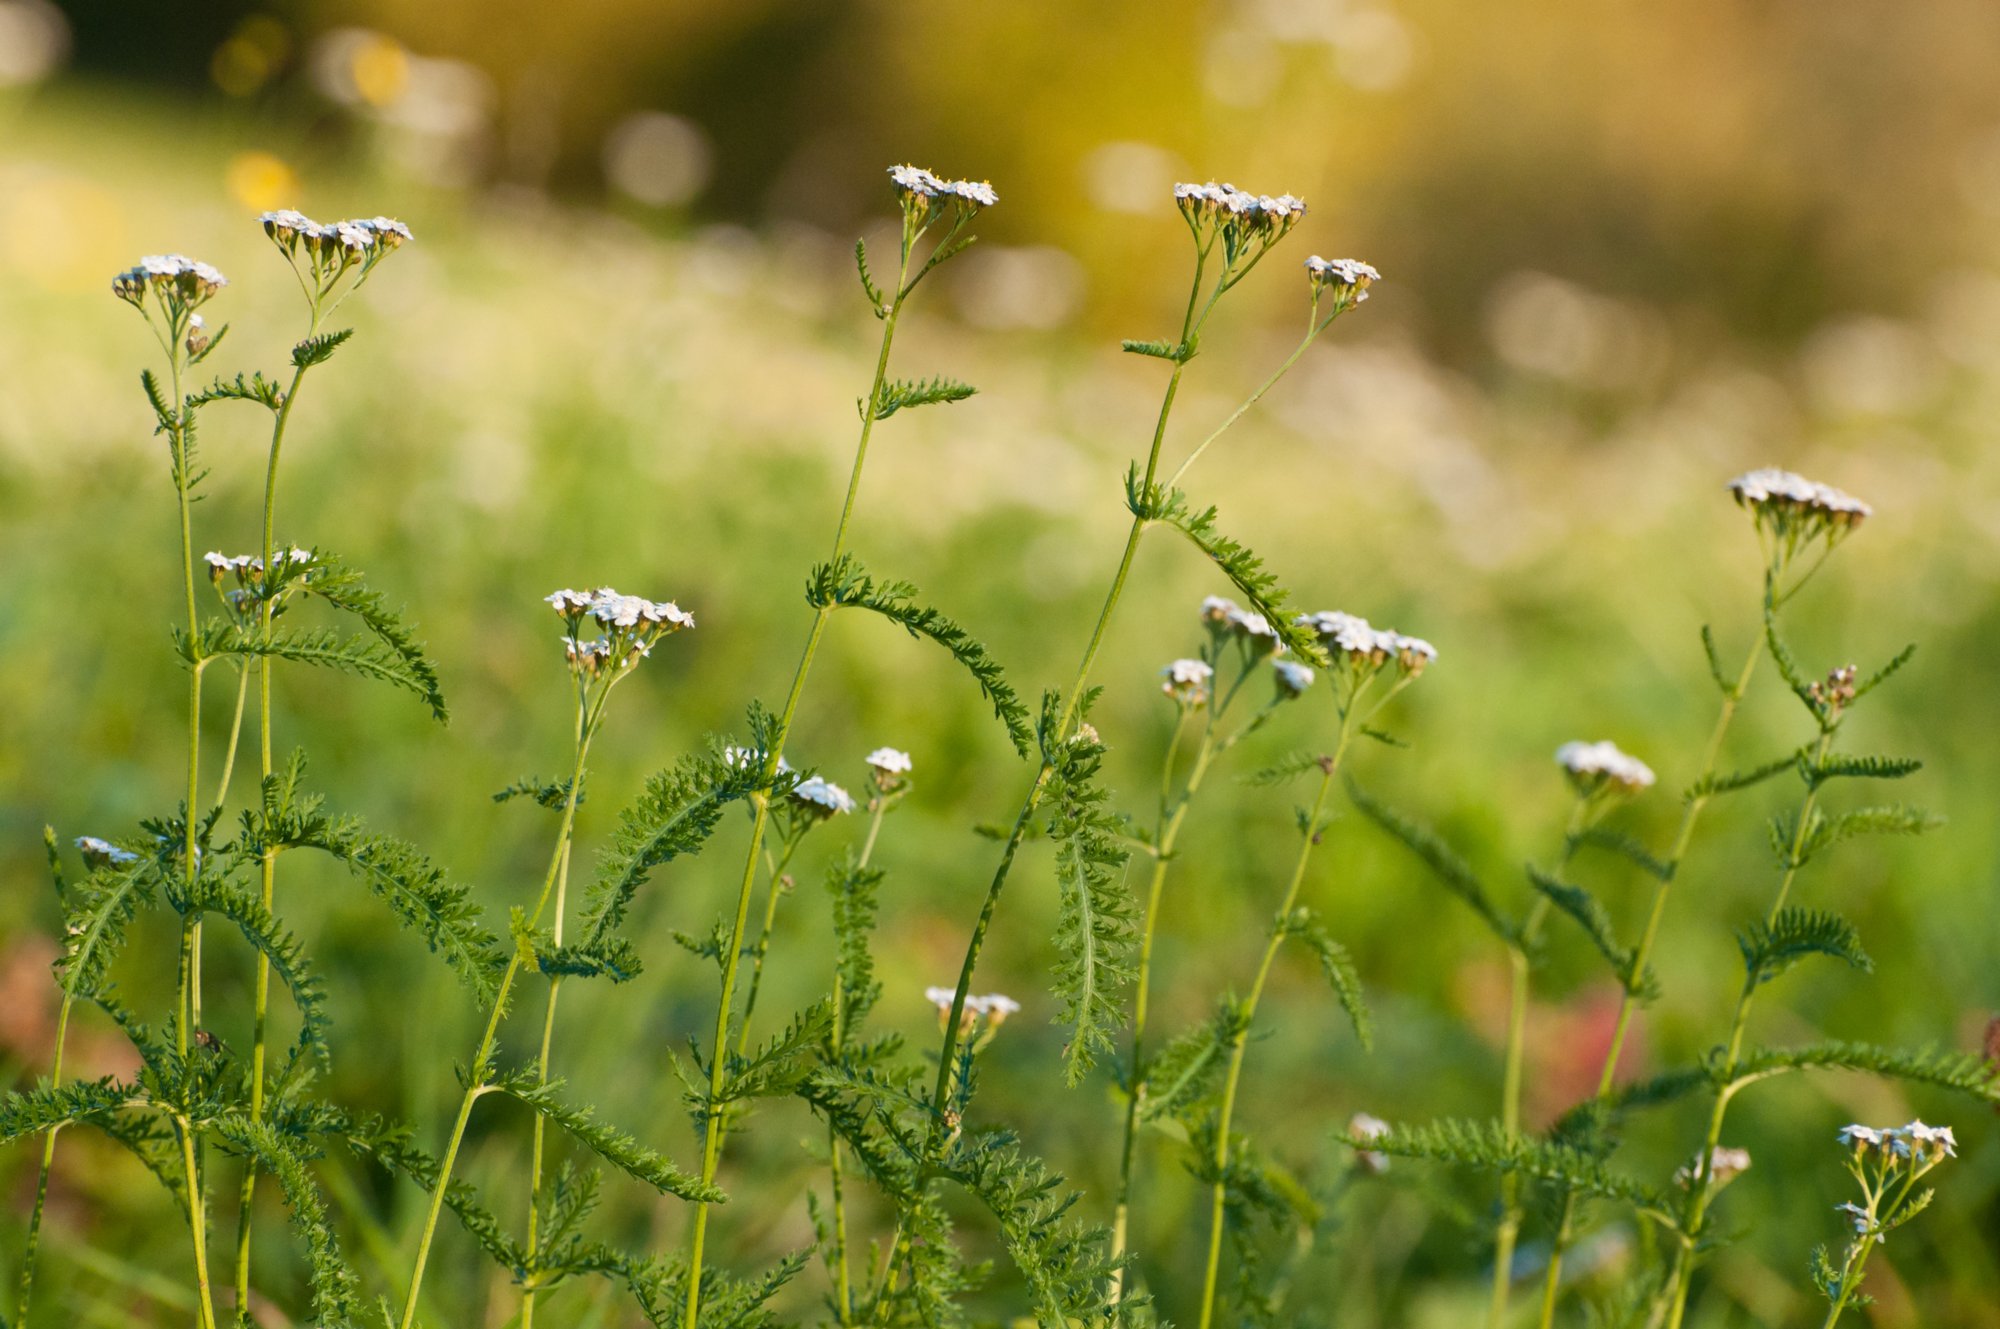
[(1683, 839), (587, 723), (268, 865), (1219, 1190), (235, 733), (763, 946), (1700, 1192), (197, 1221), (712, 1122), (48, 1163), (540, 1129)]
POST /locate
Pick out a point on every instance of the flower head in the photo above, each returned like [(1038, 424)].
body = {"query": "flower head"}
[(181, 284), (821, 798), (1858, 1216), (924, 195), (1362, 1126), (1363, 649), (1188, 682), (1724, 1166), (1860, 1138), (889, 761), (1924, 1143), (996, 1008), (102, 853), (1597, 767), (1347, 278), (1294, 679), (1796, 509)]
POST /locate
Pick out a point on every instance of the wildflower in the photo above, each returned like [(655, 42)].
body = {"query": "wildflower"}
[(1361, 1126), (941, 998), (1412, 654), (1087, 733), (1188, 682), (181, 283), (1837, 691), (102, 853), (587, 657), (1596, 767), (1856, 1215), (218, 564), (570, 604), (1240, 216), (888, 768), (915, 182), (822, 798), (1794, 508), (286, 226), (751, 758), (1344, 633), (1353, 642), (389, 233), (923, 194), (996, 1008), (1925, 1143), (1860, 1138), (1348, 278), (1294, 679), (1724, 1166)]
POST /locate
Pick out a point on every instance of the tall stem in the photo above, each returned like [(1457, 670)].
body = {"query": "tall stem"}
[(712, 1121), (763, 946), (48, 1163), (1700, 1188), (1232, 1080), (268, 866), (1173, 813), (1677, 853), (540, 1129), (587, 723)]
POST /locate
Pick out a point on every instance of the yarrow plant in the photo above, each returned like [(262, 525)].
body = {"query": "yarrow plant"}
[(219, 1119)]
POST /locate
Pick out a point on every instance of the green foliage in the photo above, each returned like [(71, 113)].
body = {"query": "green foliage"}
[(845, 584), (876, 299), (1339, 968), (97, 909), (1288, 768), (363, 656), (1794, 849), (332, 1283), (256, 389), (1583, 908), (551, 794), (1886, 672), (1060, 1257), (1490, 1148), (1770, 948), (1729, 782), (1451, 871), (855, 891), (1258, 585), (1617, 842), (1939, 1068), (896, 394), (672, 818), (212, 895), (607, 1142), (1184, 1074), (43, 1108), (333, 581), (318, 350), (1723, 682), (1836, 767), (1097, 927), (660, 1287), (781, 1064), (1179, 352)]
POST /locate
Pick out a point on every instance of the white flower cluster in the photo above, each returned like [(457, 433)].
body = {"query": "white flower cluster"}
[(1915, 1142), (1260, 213), (335, 244), (1792, 505), (103, 854), (888, 768), (1351, 640), (176, 279), (631, 626), (916, 185), (248, 567), (821, 798), (1294, 679), (1188, 682), (1227, 618), (1724, 1166), (1595, 766), (1347, 278), (993, 1006)]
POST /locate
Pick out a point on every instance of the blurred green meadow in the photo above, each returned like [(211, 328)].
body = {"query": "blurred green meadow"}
[(1516, 454)]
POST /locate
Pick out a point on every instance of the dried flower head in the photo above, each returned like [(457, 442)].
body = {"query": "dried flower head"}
[(1188, 682), (1836, 692), (1595, 768)]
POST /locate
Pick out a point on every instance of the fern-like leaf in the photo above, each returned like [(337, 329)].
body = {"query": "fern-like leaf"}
[(1943, 1069), (1187, 1071), (1178, 352), (1451, 871), (1096, 927), (1583, 908), (332, 1283), (1490, 1148), (846, 584), (333, 581), (855, 893), (1856, 768), (1339, 968), (362, 656), (900, 393), (1769, 949), (607, 1142), (1625, 846), (318, 350)]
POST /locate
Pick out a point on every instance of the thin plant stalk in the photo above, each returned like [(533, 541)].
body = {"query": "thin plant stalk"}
[(590, 714), (268, 866), (1700, 1191), (713, 1126), (540, 1128), (1677, 853), (1173, 814), (1233, 1078), (763, 946)]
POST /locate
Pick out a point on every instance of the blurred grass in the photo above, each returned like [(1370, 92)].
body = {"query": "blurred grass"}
[(541, 396)]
